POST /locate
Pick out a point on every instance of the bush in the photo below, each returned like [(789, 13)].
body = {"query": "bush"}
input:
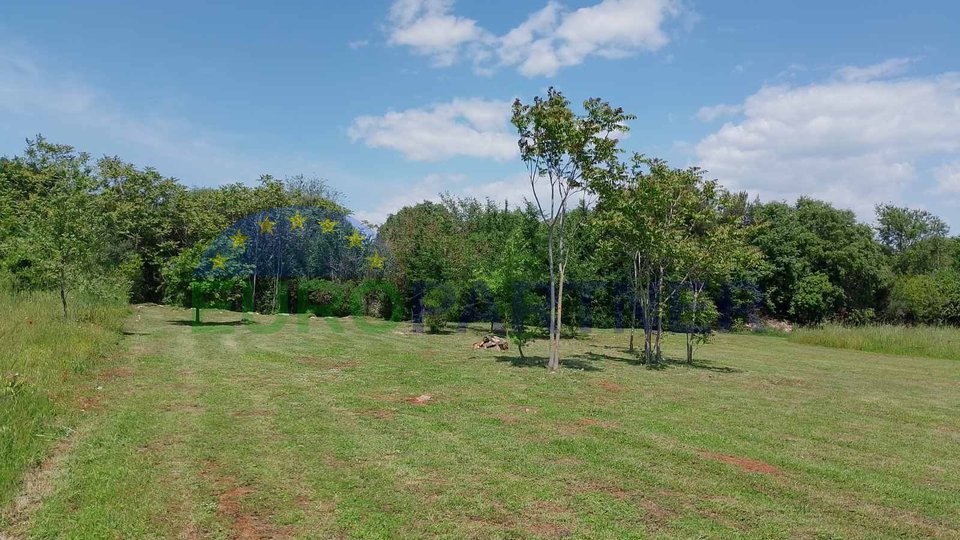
[(178, 274), (814, 299), (860, 317), (438, 303), (376, 298), (321, 297), (926, 299)]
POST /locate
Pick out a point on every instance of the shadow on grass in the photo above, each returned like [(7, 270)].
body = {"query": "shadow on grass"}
[(181, 322), (576, 362), (134, 333), (699, 364), (591, 361)]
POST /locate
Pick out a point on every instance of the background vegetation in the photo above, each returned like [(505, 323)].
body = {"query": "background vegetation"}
[(68, 222)]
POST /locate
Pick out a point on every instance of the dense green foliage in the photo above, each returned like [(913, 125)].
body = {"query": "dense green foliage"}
[(661, 248), (108, 227)]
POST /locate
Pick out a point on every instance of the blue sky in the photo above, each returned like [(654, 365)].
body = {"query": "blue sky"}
[(854, 102)]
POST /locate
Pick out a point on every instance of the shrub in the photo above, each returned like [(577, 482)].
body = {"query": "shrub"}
[(438, 303), (814, 299), (860, 317), (376, 298), (321, 297)]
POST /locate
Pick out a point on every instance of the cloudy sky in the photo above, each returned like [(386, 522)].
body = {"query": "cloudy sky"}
[(854, 102)]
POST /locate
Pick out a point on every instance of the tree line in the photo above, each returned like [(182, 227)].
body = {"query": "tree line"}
[(603, 239)]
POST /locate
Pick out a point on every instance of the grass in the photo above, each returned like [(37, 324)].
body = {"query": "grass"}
[(930, 341), (346, 428), (44, 361)]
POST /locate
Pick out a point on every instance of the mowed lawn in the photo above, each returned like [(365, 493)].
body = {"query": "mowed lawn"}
[(339, 429)]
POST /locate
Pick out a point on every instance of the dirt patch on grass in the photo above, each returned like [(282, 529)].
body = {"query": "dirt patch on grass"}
[(422, 399), (744, 464), (89, 403), (595, 422), (656, 515), (610, 386), (382, 414), (253, 413), (114, 373), (541, 519), (38, 484), (243, 523), (547, 519)]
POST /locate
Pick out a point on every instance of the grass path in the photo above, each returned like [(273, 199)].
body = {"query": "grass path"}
[(234, 431)]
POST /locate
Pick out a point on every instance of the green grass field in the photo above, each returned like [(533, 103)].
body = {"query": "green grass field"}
[(342, 429), (931, 341), (46, 365)]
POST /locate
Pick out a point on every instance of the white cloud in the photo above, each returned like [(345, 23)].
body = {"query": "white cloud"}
[(893, 66), (428, 27), (546, 41), (358, 44), (854, 142), (713, 112), (463, 127), (948, 177)]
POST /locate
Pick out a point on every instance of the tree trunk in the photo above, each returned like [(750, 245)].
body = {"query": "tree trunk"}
[(559, 327), (633, 299), (63, 292), (694, 309), (554, 361)]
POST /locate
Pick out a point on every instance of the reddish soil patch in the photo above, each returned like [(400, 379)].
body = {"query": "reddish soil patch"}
[(422, 399), (540, 520), (600, 486), (607, 424), (383, 414), (114, 373), (243, 524), (228, 505), (310, 361), (548, 530), (508, 419), (610, 386), (655, 514), (87, 403), (744, 464)]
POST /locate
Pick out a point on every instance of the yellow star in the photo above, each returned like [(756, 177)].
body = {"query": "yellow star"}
[(266, 226), (218, 262), (327, 226), (376, 261), (239, 240), (355, 239), (297, 221)]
